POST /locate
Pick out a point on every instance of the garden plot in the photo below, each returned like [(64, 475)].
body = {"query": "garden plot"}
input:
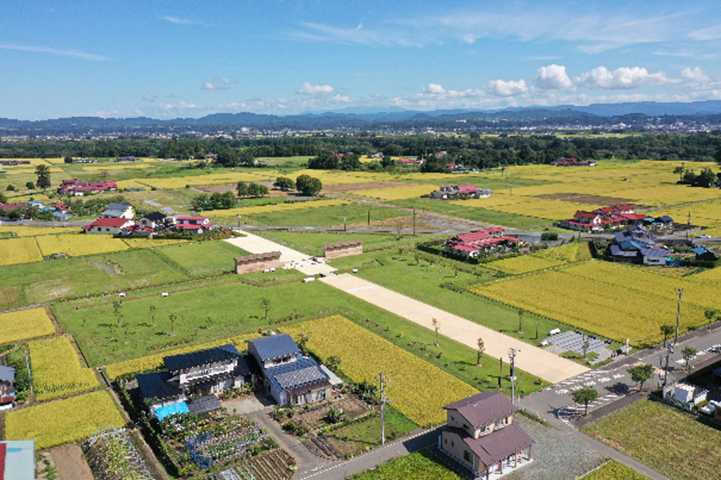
[(113, 456)]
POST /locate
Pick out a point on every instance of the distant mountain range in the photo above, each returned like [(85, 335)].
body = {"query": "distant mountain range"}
[(565, 115)]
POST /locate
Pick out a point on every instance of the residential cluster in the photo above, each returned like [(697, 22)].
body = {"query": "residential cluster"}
[(119, 219), (460, 192), (77, 188), (36, 209), (640, 245), (491, 241), (614, 217), (572, 161)]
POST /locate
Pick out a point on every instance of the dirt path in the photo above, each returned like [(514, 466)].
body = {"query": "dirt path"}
[(70, 463), (533, 360)]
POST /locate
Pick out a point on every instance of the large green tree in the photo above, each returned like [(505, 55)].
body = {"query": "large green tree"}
[(43, 176)]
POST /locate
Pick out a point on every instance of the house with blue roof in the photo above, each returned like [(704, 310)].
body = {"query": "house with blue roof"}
[(289, 376), (638, 246)]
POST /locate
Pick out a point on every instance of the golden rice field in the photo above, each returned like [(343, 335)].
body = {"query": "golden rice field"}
[(57, 370), (397, 192), (569, 253), (25, 324), (79, 244), (64, 421), (19, 250), (543, 208), (272, 208), (613, 470), (152, 243), (208, 179), (416, 388), (25, 231), (706, 213), (523, 264), (609, 303), (152, 362), (711, 275)]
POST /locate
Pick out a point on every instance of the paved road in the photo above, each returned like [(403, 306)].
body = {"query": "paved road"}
[(613, 381), (534, 360)]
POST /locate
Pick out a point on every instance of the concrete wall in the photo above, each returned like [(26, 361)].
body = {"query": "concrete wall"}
[(257, 266), (343, 252)]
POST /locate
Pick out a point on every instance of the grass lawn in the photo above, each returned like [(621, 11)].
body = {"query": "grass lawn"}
[(477, 214), (353, 214), (202, 258), (313, 243), (613, 470), (664, 438), (367, 432), (217, 308), (418, 466), (442, 285), (42, 282)]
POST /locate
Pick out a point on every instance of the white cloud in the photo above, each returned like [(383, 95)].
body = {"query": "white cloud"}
[(470, 38), (358, 35), (82, 55), (706, 34), (316, 89), (553, 77), (621, 78), (695, 75), (338, 98), (215, 85), (434, 89), (507, 88), (179, 20)]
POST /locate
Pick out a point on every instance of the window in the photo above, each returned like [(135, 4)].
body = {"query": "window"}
[(467, 456)]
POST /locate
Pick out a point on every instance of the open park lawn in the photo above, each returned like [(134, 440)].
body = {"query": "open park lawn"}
[(664, 438), (418, 466), (612, 470), (42, 282), (353, 213), (202, 258), (63, 421), (442, 283), (611, 300)]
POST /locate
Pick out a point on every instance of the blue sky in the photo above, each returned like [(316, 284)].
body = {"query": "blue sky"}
[(189, 58)]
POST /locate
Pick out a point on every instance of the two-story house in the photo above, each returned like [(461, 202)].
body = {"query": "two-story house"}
[(188, 376), (119, 210), (480, 435), (289, 377), (7, 387)]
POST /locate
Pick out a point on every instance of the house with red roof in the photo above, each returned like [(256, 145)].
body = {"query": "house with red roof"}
[(613, 217), (108, 225), (190, 223), (480, 243), (75, 187), (460, 192)]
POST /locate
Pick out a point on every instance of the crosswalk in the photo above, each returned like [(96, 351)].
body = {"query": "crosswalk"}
[(598, 379)]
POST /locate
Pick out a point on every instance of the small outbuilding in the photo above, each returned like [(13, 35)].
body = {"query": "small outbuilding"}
[(258, 262)]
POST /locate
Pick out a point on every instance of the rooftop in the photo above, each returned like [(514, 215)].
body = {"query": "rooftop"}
[(483, 408), (500, 444), (274, 347), (156, 386), (7, 374), (184, 361)]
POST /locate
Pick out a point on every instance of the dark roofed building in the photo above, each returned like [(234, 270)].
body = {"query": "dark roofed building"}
[(156, 387), (201, 358), (289, 377), (480, 435)]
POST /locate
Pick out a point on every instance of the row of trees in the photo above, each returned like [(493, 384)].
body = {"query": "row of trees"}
[(472, 150), (706, 178)]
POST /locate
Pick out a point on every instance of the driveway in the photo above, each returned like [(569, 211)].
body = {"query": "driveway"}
[(291, 258), (534, 360)]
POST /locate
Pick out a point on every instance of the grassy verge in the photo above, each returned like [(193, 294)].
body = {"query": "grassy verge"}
[(418, 466)]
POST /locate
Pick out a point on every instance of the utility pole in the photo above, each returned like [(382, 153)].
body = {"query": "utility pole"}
[(345, 225), (369, 217), (679, 295), (512, 359), (414, 222), (669, 351), (383, 409)]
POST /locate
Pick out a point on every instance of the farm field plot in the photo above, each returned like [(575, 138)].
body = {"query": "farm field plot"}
[(278, 207), (202, 258), (155, 361), (397, 192), (42, 282), (152, 243), (613, 470), (57, 370), (177, 199), (64, 421), (19, 250), (25, 231), (616, 311), (542, 208), (568, 253), (25, 324), (668, 194), (77, 245), (297, 161), (352, 213), (523, 264), (706, 213), (666, 439), (417, 389), (417, 465), (207, 179), (313, 243)]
